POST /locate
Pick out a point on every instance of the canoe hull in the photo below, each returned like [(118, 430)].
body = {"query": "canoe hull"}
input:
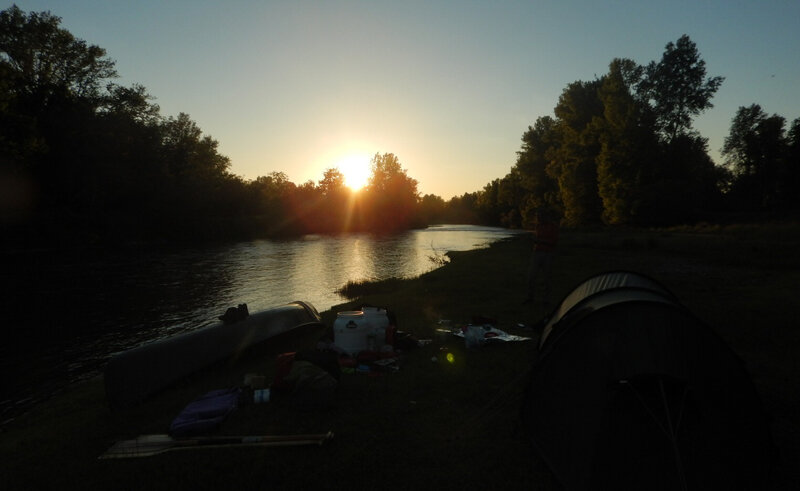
[(134, 375)]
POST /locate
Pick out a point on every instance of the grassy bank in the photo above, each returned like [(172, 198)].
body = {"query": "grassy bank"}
[(437, 424)]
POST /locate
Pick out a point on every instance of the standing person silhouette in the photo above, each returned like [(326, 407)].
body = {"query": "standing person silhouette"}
[(546, 230)]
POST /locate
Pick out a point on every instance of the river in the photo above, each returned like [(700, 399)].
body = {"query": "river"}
[(71, 311)]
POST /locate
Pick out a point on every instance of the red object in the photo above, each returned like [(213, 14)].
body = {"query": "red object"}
[(347, 362), (283, 365)]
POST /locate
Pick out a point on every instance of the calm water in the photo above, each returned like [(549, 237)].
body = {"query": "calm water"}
[(70, 313)]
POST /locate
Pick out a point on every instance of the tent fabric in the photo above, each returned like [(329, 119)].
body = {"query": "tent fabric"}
[(632, 391), (623, 283)]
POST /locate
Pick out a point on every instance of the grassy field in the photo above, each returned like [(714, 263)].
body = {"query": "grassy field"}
[(436, 424)]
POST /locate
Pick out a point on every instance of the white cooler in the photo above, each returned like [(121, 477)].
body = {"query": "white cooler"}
[(351, 331)]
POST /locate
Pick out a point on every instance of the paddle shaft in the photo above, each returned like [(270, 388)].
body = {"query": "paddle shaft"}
[(148, 445), (234, 440)]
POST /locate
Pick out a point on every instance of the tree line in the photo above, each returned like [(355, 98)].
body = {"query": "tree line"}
[(85, 159), (621, 149)]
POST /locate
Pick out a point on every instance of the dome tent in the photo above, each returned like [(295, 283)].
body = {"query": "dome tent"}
[(632, 391)]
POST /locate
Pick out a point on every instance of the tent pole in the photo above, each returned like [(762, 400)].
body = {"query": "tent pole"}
[(672, 438)]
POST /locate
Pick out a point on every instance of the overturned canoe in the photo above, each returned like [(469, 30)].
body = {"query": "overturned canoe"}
[(133, 375)]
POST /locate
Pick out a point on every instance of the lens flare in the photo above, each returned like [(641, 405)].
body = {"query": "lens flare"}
[(450, 357)]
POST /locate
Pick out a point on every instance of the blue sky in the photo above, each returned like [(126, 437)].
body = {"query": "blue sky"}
[(448, 87)]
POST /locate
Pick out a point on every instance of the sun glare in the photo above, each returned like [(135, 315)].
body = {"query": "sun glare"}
[(355, 169)]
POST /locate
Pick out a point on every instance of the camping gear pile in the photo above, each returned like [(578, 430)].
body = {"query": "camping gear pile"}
[(306, 380), (364, 341), (632, 391)]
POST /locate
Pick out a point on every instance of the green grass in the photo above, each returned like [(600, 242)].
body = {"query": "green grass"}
[(435, 424)]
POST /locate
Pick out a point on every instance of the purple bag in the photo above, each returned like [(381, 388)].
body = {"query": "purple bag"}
[(205, 413)]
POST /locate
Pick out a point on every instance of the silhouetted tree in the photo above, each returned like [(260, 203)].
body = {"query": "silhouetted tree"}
[(621, 150), (188, 153), (432, 209), (47, 61), (463, 209), (539, 143), (626, 162), (391, 197), (132, 102), (488, 206), (51, 84), (512, 197), (790, 188), (677, 87), (755, 151), (338, 208), (574, 161), (332, 182)]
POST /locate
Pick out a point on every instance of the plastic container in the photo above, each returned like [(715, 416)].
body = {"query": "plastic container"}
[(350, 331), (379, 321)]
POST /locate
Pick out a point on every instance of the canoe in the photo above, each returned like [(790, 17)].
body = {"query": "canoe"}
[(133, 375)]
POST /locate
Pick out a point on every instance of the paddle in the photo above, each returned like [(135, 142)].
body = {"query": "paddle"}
[(147, 445)]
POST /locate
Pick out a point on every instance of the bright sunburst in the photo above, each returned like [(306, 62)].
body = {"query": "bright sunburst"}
[(355, 169)]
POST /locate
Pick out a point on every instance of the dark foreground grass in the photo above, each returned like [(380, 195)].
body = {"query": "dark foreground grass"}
[(435, 424)]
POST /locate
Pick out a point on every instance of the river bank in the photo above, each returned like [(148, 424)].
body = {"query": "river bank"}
[(434, 423)]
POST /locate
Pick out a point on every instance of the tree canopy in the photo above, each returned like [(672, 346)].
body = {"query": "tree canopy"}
[(677, 88), (762, 159), (46, 61), (621, 149)]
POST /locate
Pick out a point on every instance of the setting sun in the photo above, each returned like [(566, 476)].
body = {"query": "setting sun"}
[(355, 169)]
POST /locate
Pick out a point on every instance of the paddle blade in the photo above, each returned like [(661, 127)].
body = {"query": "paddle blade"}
[(142, 446)]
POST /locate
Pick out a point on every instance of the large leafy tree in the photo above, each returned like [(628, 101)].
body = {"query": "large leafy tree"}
[(790, 188), (336, 206), (755, 151), (99, 155), (538, 142), (489, 208), (332, 182), (190, 154), (625, 164), (50, 83), (677, 87), (574, 162), (47, 61), (512, 197), (391, 195), (271, 205), (432, 209), (463, 209)]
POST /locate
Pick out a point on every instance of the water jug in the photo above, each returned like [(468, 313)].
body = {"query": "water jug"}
[(379, 322), (350, 331)]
